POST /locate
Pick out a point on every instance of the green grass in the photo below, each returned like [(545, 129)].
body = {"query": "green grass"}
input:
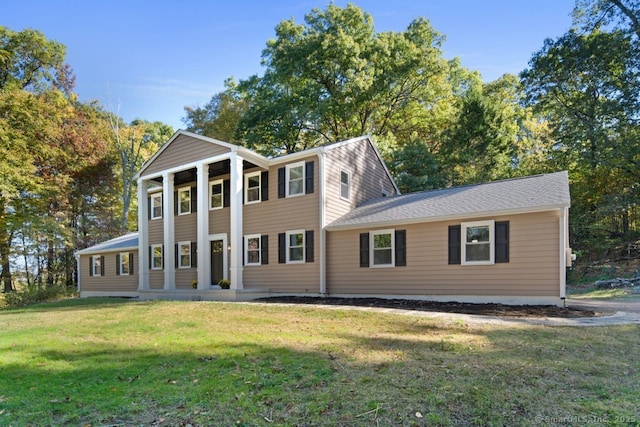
[(591, 292), (112, 362)]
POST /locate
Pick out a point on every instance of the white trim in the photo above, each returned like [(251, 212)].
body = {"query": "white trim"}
[(180, 245), (287, 179), (323, 222), (211, 184), (246, 187), (564, 238), (235, 223), (180, 191), (153, 196), (288, 246), (143, 235), (372, 235), (202, 226), (120, 272), (491, 225), (246, 249), (169, 251), (348, 173), (104, 246), (151, 250), (93, 265)]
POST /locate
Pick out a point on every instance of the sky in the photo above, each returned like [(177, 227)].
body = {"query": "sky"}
[(149, 59)]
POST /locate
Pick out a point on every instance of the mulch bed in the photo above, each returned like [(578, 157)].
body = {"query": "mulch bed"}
[(449, 307)]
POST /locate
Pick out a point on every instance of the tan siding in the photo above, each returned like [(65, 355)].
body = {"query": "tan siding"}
[(368, 177), (110, 282), (219, 219), (156, 279), (184, 277), (278, 216), (156, 231), (182, 150), (533, 268)]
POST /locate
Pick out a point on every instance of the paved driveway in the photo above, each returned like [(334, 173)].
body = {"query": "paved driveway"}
[(629, 306)]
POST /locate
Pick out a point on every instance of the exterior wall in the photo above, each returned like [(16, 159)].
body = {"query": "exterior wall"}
[(110, 283), (183, 150), (368, 177), (156, 237), (278, 216), (533, 269)]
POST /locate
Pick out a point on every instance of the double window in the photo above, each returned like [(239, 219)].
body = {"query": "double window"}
[(383, 248)]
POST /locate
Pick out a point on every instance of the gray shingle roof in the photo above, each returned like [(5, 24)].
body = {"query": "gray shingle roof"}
[(518, 195), (128, 241)]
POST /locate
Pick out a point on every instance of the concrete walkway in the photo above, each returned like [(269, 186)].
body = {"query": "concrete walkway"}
[(623, 313)]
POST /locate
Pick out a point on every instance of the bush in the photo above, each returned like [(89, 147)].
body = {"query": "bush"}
[(224, 283), (33, 294)]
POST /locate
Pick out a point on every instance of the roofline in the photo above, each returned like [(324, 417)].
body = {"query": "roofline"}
[(94, 249), (440, 218), (91, 251)]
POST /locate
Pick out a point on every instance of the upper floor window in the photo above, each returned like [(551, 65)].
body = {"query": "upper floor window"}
[(252, 187), (345, 184), (295, 179), (477, 242), (184, 201), (216, 194), (155, 206)]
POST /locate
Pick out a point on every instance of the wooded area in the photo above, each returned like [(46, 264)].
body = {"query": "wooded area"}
[(67, 166)]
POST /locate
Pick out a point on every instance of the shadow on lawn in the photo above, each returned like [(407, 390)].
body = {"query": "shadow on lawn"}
[(70, 304)]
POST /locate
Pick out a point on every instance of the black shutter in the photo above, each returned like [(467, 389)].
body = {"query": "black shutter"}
[(308, 243), (194, 199), (281, 183), (264, 186), (90, 266), (150, 208), (244, 249), (502, 241), (264, 249), (308, 176), (226, 193), (175, 203), (176, 254), (454, 244), (130, 263), (364, 249), (162, 257), (102, 265), (150, 258), (117, 264), (194, 254), (282, 248), (401, 248)]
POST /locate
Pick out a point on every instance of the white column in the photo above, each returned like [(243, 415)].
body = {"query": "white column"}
[(143, 235), (235, 239), (564, 236), (204, 249), (169, 231), (322, 258)]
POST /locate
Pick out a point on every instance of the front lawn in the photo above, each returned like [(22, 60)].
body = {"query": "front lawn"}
[(116, 362)]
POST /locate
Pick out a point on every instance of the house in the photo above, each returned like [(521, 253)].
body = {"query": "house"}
[(329, 221)]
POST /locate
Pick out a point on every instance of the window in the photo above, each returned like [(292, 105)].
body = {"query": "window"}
[(125, 263), (295, 246), (382, 253), (477, 242), (156, 206), (383, 248), (97, 265), (156, 257), (184, 254), (252, 187), (252, 249), (345, 185), (184, 201), (295, 179), (216, 194)]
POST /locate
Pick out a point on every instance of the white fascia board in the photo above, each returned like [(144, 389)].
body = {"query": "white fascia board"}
[(312, 152), (441, 218)]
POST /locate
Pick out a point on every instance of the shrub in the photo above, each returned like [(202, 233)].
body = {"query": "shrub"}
[(33, 294), (224, 283)]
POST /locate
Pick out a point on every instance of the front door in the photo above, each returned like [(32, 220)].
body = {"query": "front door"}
[(217, 261)]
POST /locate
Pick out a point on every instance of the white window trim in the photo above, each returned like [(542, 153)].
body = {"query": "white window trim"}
[(152, 197), (287, 179), (180, 244), (93, 265), (348, 172), (246, 187), (180, 191), (463, 236), (211, 184), (120, 270), (372, 235), (246, 249), (288, 246), (161, 257)]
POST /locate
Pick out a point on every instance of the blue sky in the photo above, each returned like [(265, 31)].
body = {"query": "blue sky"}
[(149, 59)]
